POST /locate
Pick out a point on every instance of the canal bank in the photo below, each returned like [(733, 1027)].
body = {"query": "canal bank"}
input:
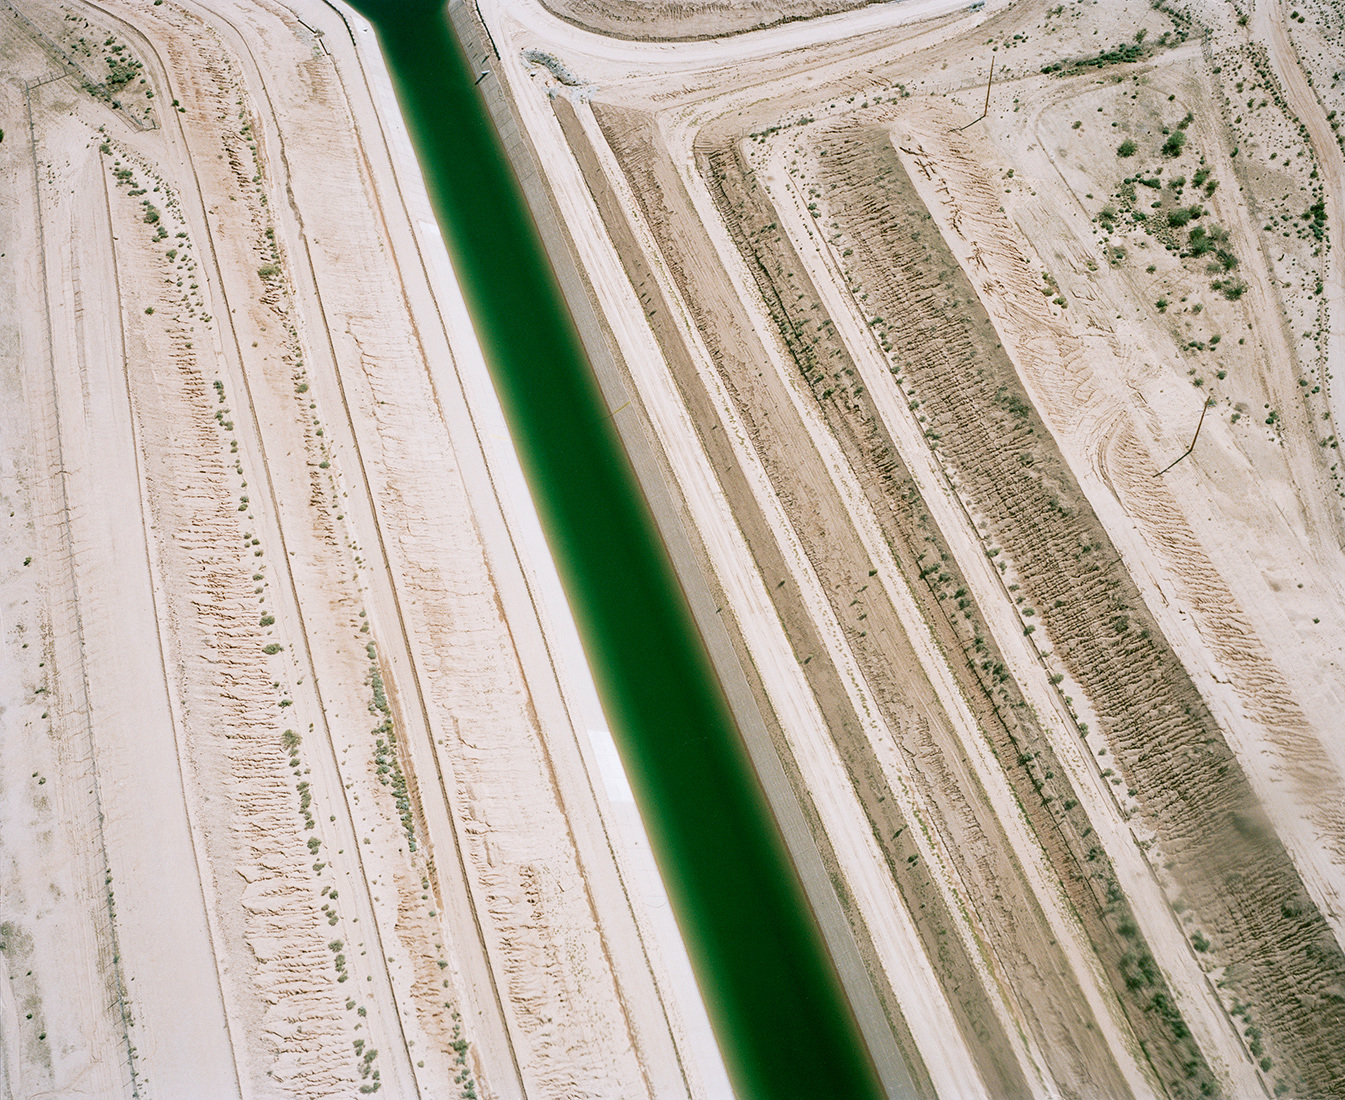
[(778, 1012)]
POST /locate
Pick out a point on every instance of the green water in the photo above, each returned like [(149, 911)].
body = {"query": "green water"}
[(773, 995)]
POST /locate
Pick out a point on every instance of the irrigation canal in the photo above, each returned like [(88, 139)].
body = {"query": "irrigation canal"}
[(774, 999)]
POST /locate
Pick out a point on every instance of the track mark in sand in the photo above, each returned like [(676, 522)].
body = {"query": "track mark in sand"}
[(300, 486), (1048, 994), (528, 893), (534, 903), (298, 727), (1004, 676), (1222, 856), (80, 884), (1056, 364), (780, 510)]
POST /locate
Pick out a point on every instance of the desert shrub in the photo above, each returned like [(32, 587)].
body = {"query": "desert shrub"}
[(1315, 216)]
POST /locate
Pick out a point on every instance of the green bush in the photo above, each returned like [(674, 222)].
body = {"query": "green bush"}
[(1232, 289), (1204, 240), (1175, 143), (1126, 148)]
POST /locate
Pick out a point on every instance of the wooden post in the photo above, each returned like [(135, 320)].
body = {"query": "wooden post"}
[(986, 109), (1203, 410)]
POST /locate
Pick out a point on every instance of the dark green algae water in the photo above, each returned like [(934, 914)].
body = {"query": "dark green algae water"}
[(773, 996)]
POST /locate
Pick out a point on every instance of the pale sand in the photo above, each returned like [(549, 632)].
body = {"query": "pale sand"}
[(359, 442)]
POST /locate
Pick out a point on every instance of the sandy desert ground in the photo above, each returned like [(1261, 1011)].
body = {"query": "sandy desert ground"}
[(307, 790)]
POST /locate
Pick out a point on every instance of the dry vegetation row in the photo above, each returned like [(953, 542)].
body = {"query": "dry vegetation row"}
[(1008, 918), (1061, 825), (1278, 956)]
